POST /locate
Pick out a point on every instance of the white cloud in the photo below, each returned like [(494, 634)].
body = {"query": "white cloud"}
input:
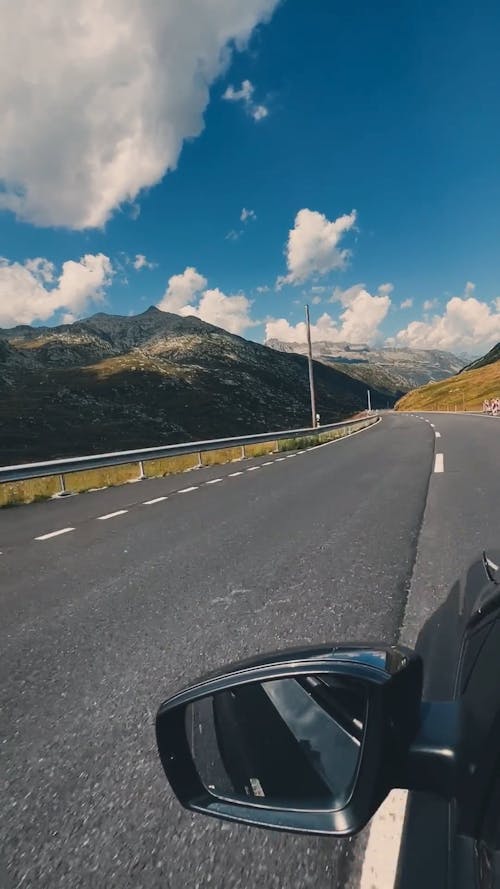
[(316, 300), (42, 269), (186, 294), (386, 289), (259, 112), (242, 95), (247, 214), (181, 290), (467, 324), (26, 297), (105, 97), (264, 288), (406, 304), (358, 322), (141, 262), (429, 304), (234, 235), (245, 95), (313, 245)]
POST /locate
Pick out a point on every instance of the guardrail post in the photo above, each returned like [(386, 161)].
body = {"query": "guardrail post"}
[(199, 460), (62, 483), (242, 452), (141, 470)]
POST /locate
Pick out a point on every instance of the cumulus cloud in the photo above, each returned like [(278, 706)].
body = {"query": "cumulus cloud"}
[(141, 262), (359, 321), (316, 300), (105, 97), (32, 291), (467, 324), (406, 304), (313, 245), (181, 290), (245, 95), (186, 294)]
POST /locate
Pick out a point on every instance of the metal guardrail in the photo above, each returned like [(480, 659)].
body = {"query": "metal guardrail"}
[(25, 471)]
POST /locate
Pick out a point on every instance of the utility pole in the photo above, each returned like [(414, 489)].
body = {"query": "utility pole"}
[(369, 401), (311, 372)]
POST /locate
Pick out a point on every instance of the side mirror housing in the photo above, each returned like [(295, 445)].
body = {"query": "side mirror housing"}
[(306, 740)]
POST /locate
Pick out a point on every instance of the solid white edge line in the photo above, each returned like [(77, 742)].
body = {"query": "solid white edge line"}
[(187, 490), (213, 481), (437, 434), (111, 515), (382, 851), (53, 534), (156, 500), (234, 474), (439, 463)]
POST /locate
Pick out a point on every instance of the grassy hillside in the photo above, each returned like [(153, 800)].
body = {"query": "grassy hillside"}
[(465, 391)]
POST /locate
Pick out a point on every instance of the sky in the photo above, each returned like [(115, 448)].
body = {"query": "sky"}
[(236, 159)]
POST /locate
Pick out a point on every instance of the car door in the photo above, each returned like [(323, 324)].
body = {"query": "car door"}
[(455, 845)]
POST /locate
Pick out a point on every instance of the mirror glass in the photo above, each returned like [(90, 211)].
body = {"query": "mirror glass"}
[(291, 743)]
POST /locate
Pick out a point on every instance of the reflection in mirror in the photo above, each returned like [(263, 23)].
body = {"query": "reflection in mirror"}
[(291, 743)]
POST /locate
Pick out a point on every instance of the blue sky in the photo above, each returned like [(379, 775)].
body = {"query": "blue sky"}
[(388, 110)]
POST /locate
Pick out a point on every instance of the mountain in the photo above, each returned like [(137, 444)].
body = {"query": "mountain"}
[(111, 382), (490, 358), (394, 371), (465, 391)]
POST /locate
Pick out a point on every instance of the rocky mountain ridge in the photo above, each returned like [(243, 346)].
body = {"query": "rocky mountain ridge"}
[(394, 370), (114, 382)]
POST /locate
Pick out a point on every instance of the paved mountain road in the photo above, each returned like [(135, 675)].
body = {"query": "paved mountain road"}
[(100, 623)]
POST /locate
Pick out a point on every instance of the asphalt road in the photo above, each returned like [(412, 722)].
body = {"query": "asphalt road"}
[(100, 623)]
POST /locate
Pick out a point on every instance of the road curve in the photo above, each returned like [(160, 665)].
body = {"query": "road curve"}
[(155, 583)]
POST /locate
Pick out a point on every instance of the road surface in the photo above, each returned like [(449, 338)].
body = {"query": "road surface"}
[(161, 580)]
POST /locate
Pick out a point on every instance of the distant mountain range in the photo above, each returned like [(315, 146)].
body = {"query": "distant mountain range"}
[(467, 390), (394, 371), (111, 383)]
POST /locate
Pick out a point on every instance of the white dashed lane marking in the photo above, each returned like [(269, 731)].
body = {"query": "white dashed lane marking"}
[(268, 464), (111, 515), (187, 490), (234, 474), (213, 481), (280, 459), (156, 500), (437, 434), (53, 534), (253, 468), (439, 463)]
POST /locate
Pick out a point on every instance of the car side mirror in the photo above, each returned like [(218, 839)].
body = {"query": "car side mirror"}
[(307, 740)]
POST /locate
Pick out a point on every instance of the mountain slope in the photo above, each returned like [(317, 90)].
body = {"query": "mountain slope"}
[(392, 370), (490, 358), (112, 383), (465, 391)]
